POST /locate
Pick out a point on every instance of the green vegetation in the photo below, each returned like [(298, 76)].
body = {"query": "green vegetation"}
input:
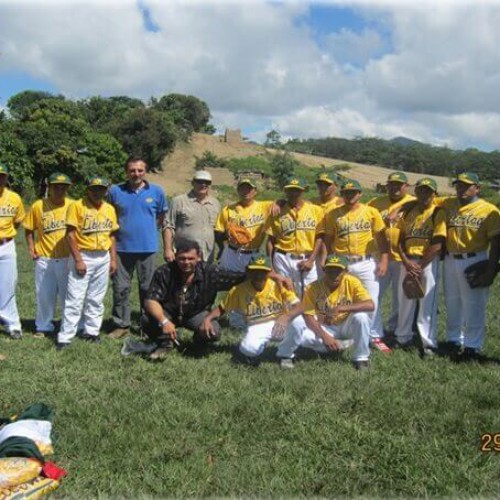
[(407, 155), (44, 133), (205, 427)]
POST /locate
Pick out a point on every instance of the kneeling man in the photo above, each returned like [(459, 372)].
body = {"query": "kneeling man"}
[(337, 307), (264, 304)]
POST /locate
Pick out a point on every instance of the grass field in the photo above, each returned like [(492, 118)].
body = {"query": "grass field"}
[(205, 427)]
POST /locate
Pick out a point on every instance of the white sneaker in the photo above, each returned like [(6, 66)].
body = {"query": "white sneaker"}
[(287, 363)]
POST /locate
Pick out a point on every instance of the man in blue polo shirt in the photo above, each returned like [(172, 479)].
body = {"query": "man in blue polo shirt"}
[(141, 207)]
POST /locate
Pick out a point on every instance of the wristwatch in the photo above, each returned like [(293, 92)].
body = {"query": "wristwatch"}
[(164, 322)]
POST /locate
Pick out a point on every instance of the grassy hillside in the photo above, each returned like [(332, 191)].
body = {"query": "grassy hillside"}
[(178, 167)]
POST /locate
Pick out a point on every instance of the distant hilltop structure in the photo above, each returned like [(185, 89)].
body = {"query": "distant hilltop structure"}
[(233, 136)]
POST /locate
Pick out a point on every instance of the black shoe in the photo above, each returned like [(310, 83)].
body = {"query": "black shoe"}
[(361, 366), (469, 354), (405, 346), (61, 345), (90, 338)]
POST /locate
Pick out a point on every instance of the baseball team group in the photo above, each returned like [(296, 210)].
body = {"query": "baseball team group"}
[(308, 274)]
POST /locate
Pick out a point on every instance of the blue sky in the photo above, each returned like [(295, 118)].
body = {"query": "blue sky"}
[(308, 69)]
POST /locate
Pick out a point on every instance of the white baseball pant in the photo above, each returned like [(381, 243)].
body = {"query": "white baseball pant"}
[(365, 272), (391, 278), (9, 314), (88, 290), (259, 335), (355, 327), (427, 308), (51, 277), (286, 265), (465, 306), (236, 261)]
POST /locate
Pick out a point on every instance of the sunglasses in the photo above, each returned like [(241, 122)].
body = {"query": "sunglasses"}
[(206, 183)]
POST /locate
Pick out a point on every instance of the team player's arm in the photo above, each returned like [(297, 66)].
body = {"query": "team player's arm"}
[(314, 325), (80, 266), (220, 232), (307, 265), (309, 314), (488, 277), (411, 266), (20, 214), (438, 240), (271, 240), (30, 240), (281, 322), (383, 248)]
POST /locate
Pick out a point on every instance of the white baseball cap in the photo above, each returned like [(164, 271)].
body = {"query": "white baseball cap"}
[(202, 175)]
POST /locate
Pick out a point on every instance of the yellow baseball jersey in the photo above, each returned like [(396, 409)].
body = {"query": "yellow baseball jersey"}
[(49, 223), (470, 227), (255, 218), (295, 231), (256, 306), (335, 202), (11, 213), (385, 206), (353, 232), (319, 301), (419, 227), (94, 226)]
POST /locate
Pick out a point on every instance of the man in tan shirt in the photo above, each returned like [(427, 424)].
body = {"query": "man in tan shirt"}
[(192, 218)]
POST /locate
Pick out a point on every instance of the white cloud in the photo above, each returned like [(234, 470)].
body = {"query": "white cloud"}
[(252, 62)]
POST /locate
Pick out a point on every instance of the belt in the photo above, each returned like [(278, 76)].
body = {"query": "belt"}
[(462, 256), (242, 250), (415, 257), (295, 256), (3, 241), (352, 259)]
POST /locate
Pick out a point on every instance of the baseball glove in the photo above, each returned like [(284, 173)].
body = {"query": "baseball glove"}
[(475, 271), (238, 235), (413, 287)]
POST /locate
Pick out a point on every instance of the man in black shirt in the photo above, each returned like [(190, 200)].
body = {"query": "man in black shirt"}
[(182, 294)]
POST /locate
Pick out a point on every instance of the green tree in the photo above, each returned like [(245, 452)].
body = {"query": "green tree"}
[(20, 103), (100, 112), (14, 155), (210, 160), (146, 132), (282, 167), (188, 112), (273, 139)]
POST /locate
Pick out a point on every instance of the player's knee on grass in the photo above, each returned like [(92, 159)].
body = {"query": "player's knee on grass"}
[(250, 349)]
